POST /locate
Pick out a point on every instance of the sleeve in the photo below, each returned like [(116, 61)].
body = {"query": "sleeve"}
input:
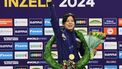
[(81, 49), (57, 30)]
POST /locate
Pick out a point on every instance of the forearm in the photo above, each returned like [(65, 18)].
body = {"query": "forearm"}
[(54, 19)]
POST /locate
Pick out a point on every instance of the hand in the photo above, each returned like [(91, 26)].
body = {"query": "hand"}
[(94, 51), (98, 35), (49, 0)]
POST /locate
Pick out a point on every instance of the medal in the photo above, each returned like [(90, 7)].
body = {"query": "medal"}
[(71, 56)]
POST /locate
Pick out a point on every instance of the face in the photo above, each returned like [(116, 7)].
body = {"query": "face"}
[(70, 23)]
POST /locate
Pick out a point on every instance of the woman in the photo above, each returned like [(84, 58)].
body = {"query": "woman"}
[(72, 42), (69, 43)]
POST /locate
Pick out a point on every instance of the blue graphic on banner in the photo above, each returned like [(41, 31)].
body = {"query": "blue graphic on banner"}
[(6, 55), (120, 31), (110, 21), (120, 54), (35, 31), (110, 67), (21, 45), (47, 22)]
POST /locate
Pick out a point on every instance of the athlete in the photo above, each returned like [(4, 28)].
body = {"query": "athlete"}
[(70, 42)]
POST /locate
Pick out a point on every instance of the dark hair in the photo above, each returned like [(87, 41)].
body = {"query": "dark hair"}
[(66, 16)]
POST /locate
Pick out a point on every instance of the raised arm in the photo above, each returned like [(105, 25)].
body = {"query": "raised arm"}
[(56, 29)]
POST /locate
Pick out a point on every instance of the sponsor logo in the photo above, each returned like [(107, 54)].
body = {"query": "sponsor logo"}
[(21, 46), (95, 67), (110, 55), (6, 46), (86, 67), (110, 45), (54, 47), (21, 67), (48, 31), (111, 38), (20, 22), (110, 31), (36, 62), (36, 45), (10, 38), (11, 62), (6, 55), (47, 22), (83, 30), (95, 21), (21, 31), (35, 31), (98, 55), (95, 29), (120, 54), (37, 38), (100, 47), (110, 21), (120, 21), (36, 67), (111, 61), (55, 54), (120, 31), (35, 22), (47, 67), (6, 31), (21, 55), (6, 67), (110, 67), (36, 55), (120, 66), (120, 45), (6, 22), (60, 22), (93, 62), (81, 21)]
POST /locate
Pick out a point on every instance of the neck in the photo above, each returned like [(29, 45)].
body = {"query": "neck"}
[(69, 30)]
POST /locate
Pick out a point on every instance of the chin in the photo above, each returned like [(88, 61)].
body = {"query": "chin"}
[(70, 28)]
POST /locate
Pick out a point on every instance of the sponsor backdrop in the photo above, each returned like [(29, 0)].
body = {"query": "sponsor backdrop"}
[(25, 28)]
